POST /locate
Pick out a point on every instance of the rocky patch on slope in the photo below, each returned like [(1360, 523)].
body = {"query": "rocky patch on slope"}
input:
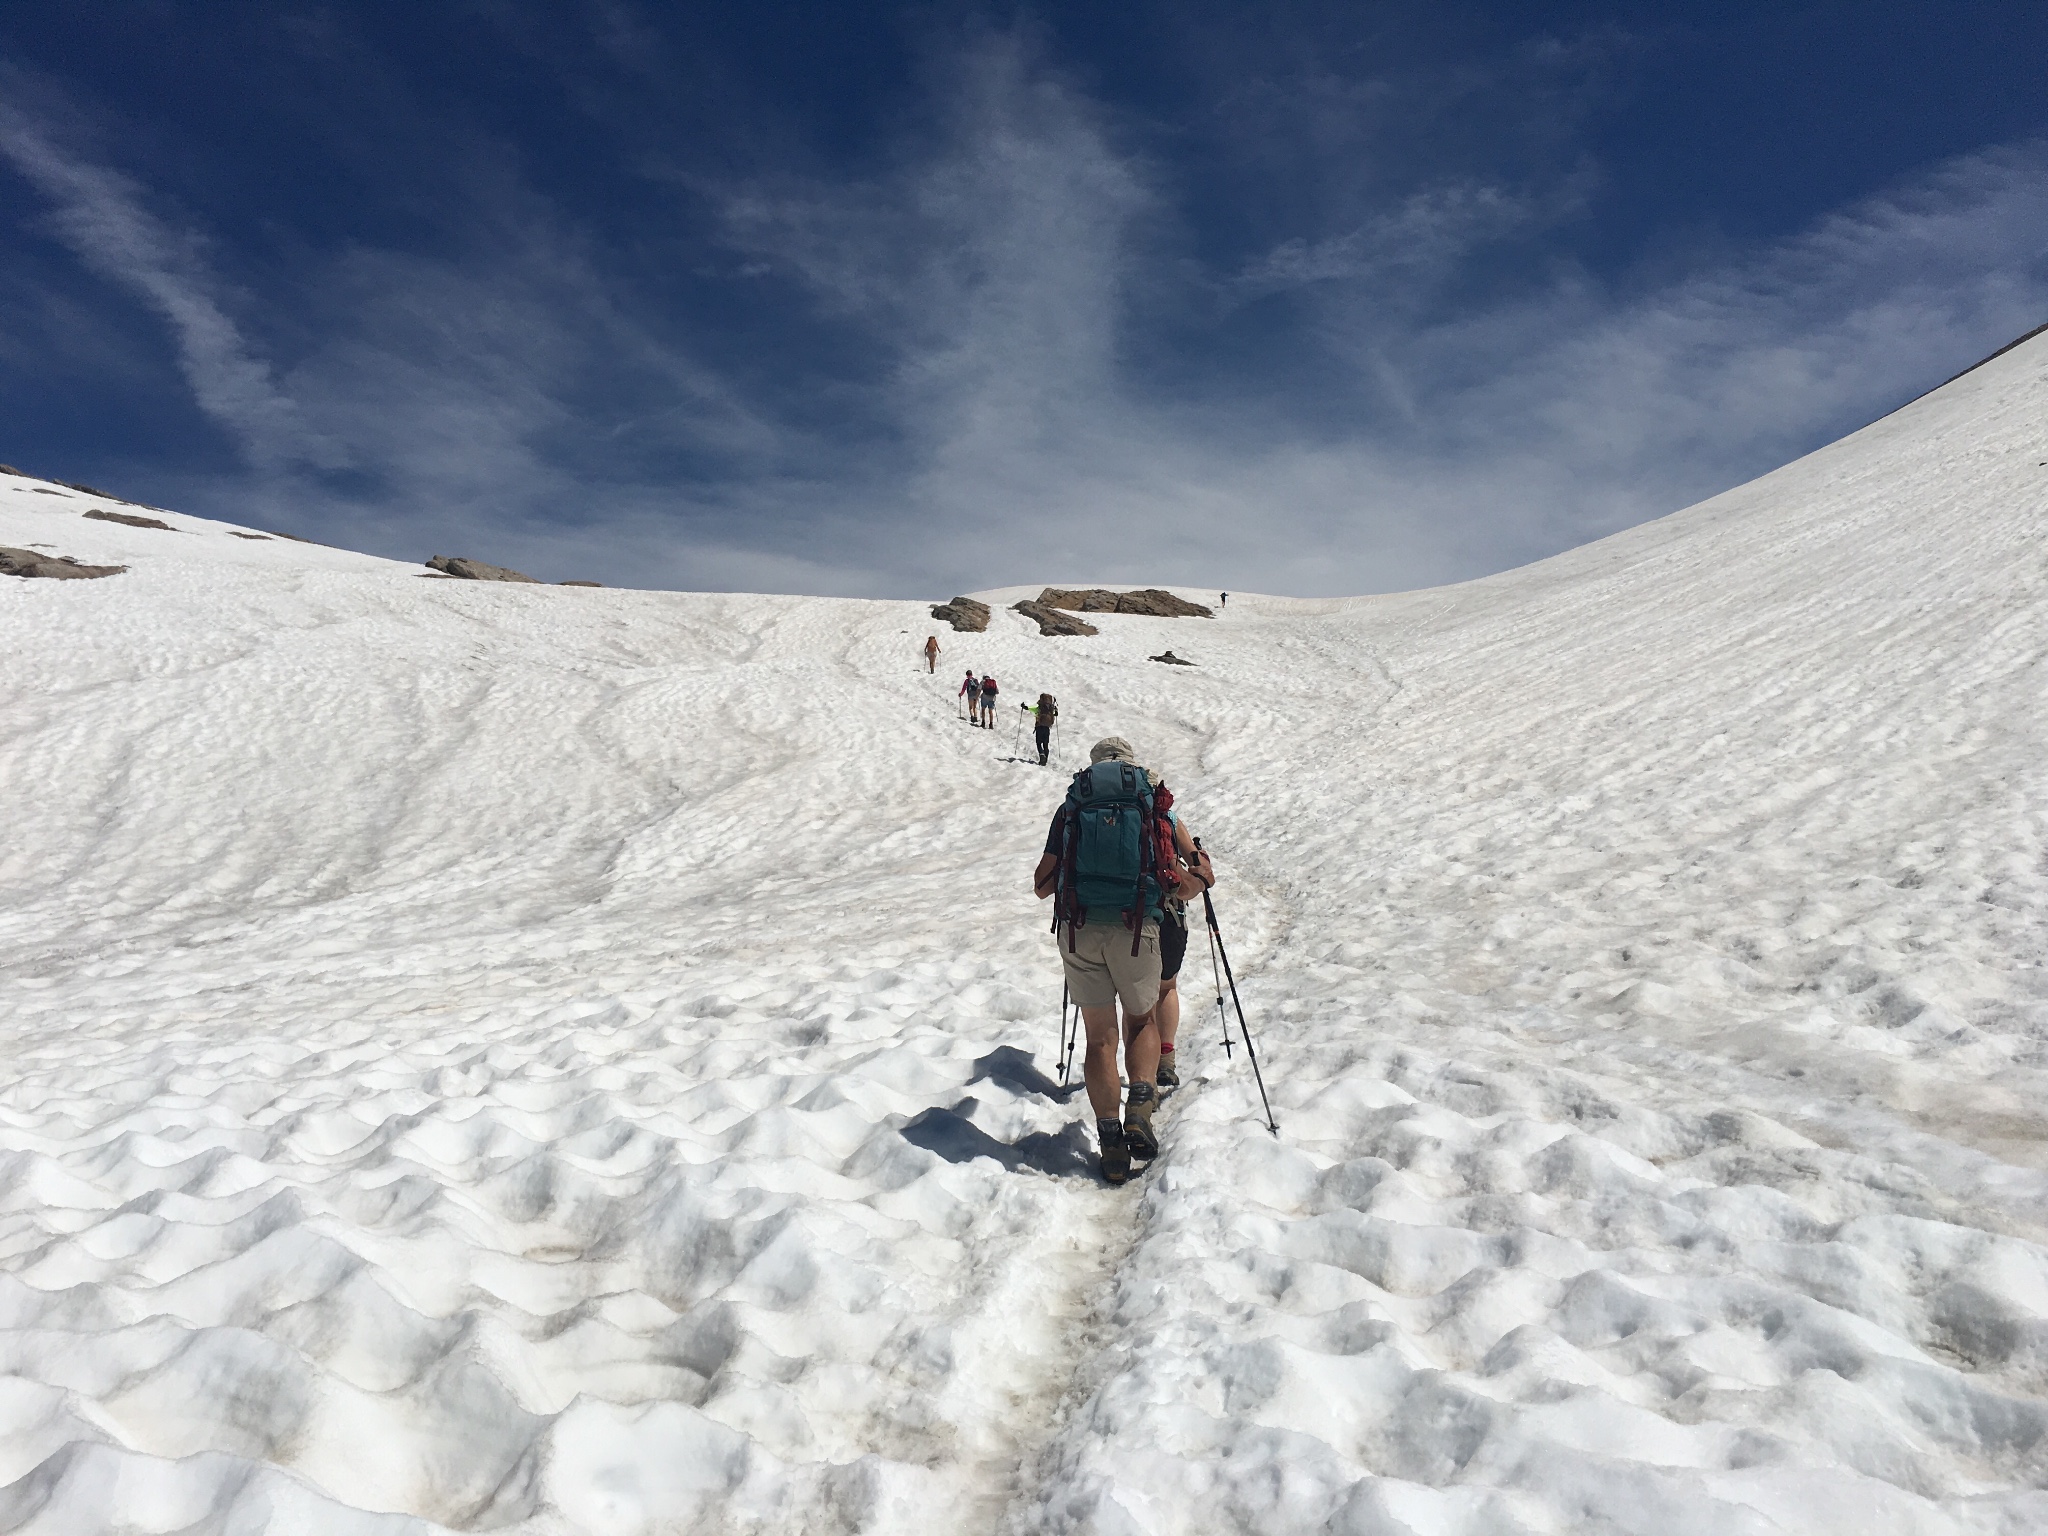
[(1150, 601), (967, 614), (475, 570), (1053, 622), (29, 562), (129, 520)]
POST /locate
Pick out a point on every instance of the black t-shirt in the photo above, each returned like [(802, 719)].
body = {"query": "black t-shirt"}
[(1052, 833)]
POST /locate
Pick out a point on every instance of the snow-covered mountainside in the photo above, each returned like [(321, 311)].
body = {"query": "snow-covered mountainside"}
[(506, 1057)]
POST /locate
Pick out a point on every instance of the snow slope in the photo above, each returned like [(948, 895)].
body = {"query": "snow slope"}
[(514, 1058)]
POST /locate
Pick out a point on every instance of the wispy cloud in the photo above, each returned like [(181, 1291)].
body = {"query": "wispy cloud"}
[(1009, 272), (996, 356), (101, 215), (1430, 231)]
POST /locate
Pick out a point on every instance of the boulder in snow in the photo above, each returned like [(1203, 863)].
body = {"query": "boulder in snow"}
[(964, 613), (29, 562), (1053, 622), (1154, 602), (1171, 660), (130, 520), (475, 570)]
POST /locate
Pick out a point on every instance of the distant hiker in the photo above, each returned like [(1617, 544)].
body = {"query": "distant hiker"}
[(1173, 948), (971, 692), (931, 653), (1223, 601), (1043, 713), (988, 702), (1110, 861)]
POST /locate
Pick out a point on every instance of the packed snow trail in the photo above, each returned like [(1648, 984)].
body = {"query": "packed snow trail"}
[(498, 1057)]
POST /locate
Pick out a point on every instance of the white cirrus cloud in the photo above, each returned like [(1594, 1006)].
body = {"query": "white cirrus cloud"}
[(101, 215)]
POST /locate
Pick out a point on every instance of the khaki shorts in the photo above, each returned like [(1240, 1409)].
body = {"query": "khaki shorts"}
[(1101, 970)]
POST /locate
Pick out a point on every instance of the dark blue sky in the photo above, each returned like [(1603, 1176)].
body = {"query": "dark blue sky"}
[(908, 300)]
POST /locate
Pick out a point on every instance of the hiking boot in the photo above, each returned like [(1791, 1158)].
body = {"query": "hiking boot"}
[(1116, 1154), (1138, 1106), (1167, 1076)]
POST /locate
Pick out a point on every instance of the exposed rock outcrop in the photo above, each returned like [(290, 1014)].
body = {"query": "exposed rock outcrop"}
[(1171, 660), (30, 562), (1053, 622), (579, 583), (474, 570), (1150, 601), (967, 614), (130, 520)]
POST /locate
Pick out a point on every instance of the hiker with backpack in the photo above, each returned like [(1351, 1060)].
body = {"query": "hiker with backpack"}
[(988, 701), (1042, 714), (931, 653), (971, 692), (1111, 861), (1173, 949)]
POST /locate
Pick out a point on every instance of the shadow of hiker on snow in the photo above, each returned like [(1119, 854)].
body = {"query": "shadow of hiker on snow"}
[(954, 1136)]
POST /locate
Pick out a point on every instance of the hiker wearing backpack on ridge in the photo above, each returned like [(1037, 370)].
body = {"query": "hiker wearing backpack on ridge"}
[(1111, 861), (988, 701), (931, 653), (1042, 714), (971, 692)]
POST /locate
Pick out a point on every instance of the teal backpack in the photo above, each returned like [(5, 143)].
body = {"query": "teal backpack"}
[(1114, 842)]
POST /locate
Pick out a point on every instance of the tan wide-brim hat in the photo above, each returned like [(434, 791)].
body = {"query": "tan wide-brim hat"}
[(1112, 749)]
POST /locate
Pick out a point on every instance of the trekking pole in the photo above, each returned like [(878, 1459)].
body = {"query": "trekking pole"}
[(1222, 1013), (1216, 975), (1017, 736), (1215, 933), (1066, 1038)]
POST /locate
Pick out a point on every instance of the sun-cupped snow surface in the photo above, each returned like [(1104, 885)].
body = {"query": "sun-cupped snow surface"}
[(502, 1057)]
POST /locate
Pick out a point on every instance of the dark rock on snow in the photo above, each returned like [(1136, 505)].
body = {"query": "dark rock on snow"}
[(1171, 660), (28, 562), (130, 520), (1053, 622), (474, 570), (237, 534), (579, 583), (1150, 601), (967, 614)]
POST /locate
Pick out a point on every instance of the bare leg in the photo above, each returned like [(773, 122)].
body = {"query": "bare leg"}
[(1167, 1011), (1141, 1047), (1098, 1067)]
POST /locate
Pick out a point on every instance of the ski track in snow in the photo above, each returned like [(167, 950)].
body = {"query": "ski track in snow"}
[(498, 1057)]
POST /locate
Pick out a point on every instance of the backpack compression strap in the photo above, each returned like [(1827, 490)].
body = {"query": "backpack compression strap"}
[(1148, 864), (1066, 901)]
